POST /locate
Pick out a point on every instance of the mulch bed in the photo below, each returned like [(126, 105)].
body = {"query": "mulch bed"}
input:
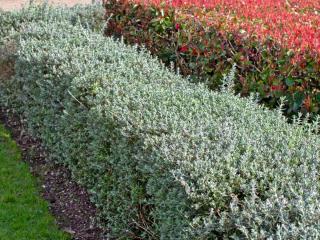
[(69, 202)]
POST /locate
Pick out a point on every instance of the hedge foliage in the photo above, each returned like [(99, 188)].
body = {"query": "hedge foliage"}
[(200, 42), (161, 157), (91, 16)]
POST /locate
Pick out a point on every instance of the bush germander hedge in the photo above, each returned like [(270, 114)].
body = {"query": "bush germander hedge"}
[(161, 157)]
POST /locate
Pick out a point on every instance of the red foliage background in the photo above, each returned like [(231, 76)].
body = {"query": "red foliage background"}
[(293, 24), (274, 43)]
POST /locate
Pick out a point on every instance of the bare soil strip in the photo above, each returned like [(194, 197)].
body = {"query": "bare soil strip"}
[(69, 202)]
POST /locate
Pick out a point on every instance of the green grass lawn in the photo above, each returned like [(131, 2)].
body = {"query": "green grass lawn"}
[(24, 214)]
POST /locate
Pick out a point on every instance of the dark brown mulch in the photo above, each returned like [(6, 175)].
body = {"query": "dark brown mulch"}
[(68, 201)]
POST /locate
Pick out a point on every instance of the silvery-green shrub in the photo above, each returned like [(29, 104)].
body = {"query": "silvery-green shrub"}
[(161, 157), (91, 16)]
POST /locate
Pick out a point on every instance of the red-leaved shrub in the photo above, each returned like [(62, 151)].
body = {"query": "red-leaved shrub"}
[(275, 44)]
